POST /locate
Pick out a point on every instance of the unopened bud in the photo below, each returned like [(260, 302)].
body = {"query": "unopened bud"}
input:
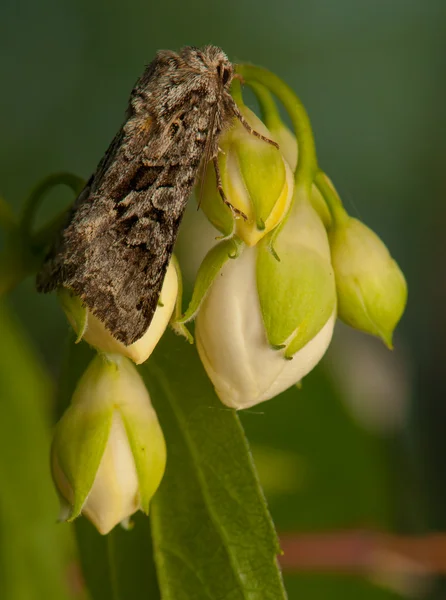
[(108, 455), (372, 291), (256, 179)]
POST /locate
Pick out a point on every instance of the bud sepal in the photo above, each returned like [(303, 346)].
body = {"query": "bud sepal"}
[(296, 283), (212, 264)]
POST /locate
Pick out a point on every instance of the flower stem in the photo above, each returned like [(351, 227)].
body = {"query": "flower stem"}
[(7, 219), (24, 250), (331, 197), (307, 164), (46, 234), (236, 92), (268, 108), (38, 194)]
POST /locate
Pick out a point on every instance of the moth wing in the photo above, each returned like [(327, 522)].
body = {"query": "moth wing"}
[(115, 251), (120, 234)]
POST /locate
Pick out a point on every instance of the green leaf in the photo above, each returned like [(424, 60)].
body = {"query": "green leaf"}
[(35, 552), (118, 566), (212, 533), (323, 472), (95, 561)]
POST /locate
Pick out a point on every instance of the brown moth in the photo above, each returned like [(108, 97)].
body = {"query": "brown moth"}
[(119, 237)]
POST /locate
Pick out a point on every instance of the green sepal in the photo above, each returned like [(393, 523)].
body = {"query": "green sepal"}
[(76, 312), (209, 269), (82, 433), (363, 318), (149, 452), (177, 327), (143, 433), (297, 293), (296, 296), (371, 288), (261, 172), (211, 203), (320, 206)]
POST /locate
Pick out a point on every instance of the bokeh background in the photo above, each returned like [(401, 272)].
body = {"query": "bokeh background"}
[(363, 451)]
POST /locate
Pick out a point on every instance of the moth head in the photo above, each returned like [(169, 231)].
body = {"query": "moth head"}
[(225, 73), (213, 60)]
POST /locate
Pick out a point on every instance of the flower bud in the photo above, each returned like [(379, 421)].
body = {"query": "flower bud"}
[(256, 179), (93, 331), (260, 312), (108, 454), (372, 291)]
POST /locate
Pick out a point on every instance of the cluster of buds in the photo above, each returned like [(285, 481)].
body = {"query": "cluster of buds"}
[(289, 269), (265, 300)]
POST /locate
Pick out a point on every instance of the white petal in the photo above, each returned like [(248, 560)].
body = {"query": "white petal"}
[(115, 492)]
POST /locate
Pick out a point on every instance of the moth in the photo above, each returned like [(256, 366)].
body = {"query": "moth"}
[(118, 240)]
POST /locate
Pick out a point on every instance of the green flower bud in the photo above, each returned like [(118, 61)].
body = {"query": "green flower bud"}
[(372, 291), (256, 179), (93, 331), (108, 454)]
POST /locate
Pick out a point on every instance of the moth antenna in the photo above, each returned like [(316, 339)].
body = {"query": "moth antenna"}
[(248, 127), (221, 191)]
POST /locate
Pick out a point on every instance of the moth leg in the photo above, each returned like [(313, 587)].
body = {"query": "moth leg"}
[(239, 77), (252, 131), (235, 211)]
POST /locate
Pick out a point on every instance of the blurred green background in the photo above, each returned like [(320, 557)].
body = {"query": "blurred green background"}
[(364, 447)]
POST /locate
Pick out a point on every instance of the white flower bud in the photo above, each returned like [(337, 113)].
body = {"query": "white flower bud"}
[(108, 453), (233, 344)]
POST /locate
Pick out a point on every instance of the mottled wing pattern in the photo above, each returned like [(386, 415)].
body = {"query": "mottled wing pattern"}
[(116, 248)]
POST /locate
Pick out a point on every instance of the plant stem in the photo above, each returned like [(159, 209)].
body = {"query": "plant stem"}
[(38, 194), (307, 165), (7, 219), (24, 250), (236, 92), (45, 234), (268, 108), (331, 197)]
